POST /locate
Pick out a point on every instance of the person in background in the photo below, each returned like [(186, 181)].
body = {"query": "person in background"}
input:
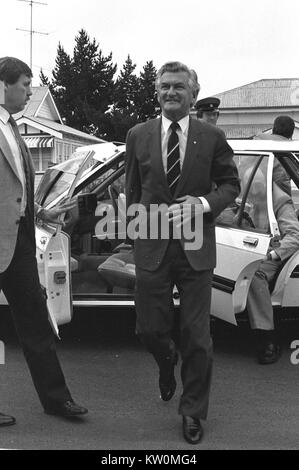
[(18, 267), (208, 109), (259, 305), (283, 129)]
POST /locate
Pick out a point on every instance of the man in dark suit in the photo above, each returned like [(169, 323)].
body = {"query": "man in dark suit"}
[(183, 163), (18, 268)]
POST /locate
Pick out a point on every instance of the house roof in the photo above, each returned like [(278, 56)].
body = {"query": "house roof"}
[(41, 103), (57, 130), (265, 93), (56, 126), (42, 111)]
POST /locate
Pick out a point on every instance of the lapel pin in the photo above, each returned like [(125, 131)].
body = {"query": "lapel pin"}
[(194, 142)]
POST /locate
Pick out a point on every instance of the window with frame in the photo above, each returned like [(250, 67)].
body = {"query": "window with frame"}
[(249, 211)]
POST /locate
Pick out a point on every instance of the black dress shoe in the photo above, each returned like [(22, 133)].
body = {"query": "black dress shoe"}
[(68, 409), (6, 420), (192, 430), (269, 354), (167, 382)]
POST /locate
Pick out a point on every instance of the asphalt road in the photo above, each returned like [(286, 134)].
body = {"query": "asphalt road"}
[(251, 406)]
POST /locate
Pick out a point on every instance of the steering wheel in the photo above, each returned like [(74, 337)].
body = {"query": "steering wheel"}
[(113, 194)]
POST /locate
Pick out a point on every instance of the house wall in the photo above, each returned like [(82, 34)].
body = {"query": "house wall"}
[(46, 112), (245, 123), (249, 117), (63, 149), (42, 158), (29, 130)]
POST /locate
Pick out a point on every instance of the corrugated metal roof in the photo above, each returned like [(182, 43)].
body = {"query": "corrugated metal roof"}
[(280, 92)]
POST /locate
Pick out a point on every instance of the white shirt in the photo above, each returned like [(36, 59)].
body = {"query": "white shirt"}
[(183, 136), (16, 152)]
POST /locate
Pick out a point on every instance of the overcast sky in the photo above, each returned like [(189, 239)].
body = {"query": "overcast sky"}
[(228, 42)]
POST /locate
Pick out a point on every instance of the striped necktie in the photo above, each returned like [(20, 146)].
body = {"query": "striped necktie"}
[(173, 158)]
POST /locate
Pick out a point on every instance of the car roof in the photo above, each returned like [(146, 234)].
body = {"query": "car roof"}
[(99, 147), (236, 144), (264, 145)]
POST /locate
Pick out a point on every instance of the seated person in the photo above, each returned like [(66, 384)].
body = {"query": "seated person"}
[(259, 304)]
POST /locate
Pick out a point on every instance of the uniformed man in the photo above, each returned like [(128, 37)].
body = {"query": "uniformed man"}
[(207, 109)]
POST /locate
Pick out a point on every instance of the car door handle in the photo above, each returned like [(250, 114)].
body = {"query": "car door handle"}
[(251, 241)]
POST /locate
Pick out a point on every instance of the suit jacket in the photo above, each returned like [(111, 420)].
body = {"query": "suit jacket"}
[(287, 222), (208, 170), (10, 202)]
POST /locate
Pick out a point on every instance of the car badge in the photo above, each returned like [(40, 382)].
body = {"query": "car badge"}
[(43, 240)]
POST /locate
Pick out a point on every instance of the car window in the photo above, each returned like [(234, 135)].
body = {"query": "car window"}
[(249, 211), (295, 195), (99, 185), (62, 184)]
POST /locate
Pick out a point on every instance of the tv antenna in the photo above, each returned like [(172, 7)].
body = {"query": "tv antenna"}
[(31, 31)]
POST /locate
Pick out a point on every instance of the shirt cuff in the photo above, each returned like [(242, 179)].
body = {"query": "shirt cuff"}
[(38, 210), (273, 256), (206, 205)]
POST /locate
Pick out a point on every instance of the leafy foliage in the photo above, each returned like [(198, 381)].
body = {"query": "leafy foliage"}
[(90, 99)]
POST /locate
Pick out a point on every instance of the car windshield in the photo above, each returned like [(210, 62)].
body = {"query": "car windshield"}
[(65, 173), (60, 179)]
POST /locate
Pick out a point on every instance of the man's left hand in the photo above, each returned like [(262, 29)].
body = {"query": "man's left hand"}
[(184, 209)]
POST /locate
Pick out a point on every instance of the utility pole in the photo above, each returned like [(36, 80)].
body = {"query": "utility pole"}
[(31, 31)]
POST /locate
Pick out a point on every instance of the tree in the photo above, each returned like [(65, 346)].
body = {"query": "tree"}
[(61, 85), (124, 114), (44, 79), (126, 87), (146, 102), (88, 97), (83, 85)]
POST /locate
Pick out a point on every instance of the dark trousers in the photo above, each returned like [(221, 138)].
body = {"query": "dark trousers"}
[(155, 321), (20, 284)]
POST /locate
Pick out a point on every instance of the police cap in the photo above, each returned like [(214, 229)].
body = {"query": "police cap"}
[(208, 104)]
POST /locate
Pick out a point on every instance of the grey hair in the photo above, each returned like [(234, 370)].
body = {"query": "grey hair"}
[(179, 67)]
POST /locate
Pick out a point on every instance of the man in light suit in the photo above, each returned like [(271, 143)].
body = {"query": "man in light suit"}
[(18, 268), (202, 173)]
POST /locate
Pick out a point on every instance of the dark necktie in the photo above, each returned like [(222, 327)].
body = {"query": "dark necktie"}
[(173, 158), (25, 158)]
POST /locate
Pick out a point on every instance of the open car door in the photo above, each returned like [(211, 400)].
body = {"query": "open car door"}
[(53, 261), (244, 232), (53, 245)]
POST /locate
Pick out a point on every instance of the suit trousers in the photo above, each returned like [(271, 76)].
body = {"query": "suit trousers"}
[(21, 286), (259, 305), (155, 322)]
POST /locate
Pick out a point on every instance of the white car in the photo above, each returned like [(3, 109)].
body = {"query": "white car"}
[(79, 267)]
